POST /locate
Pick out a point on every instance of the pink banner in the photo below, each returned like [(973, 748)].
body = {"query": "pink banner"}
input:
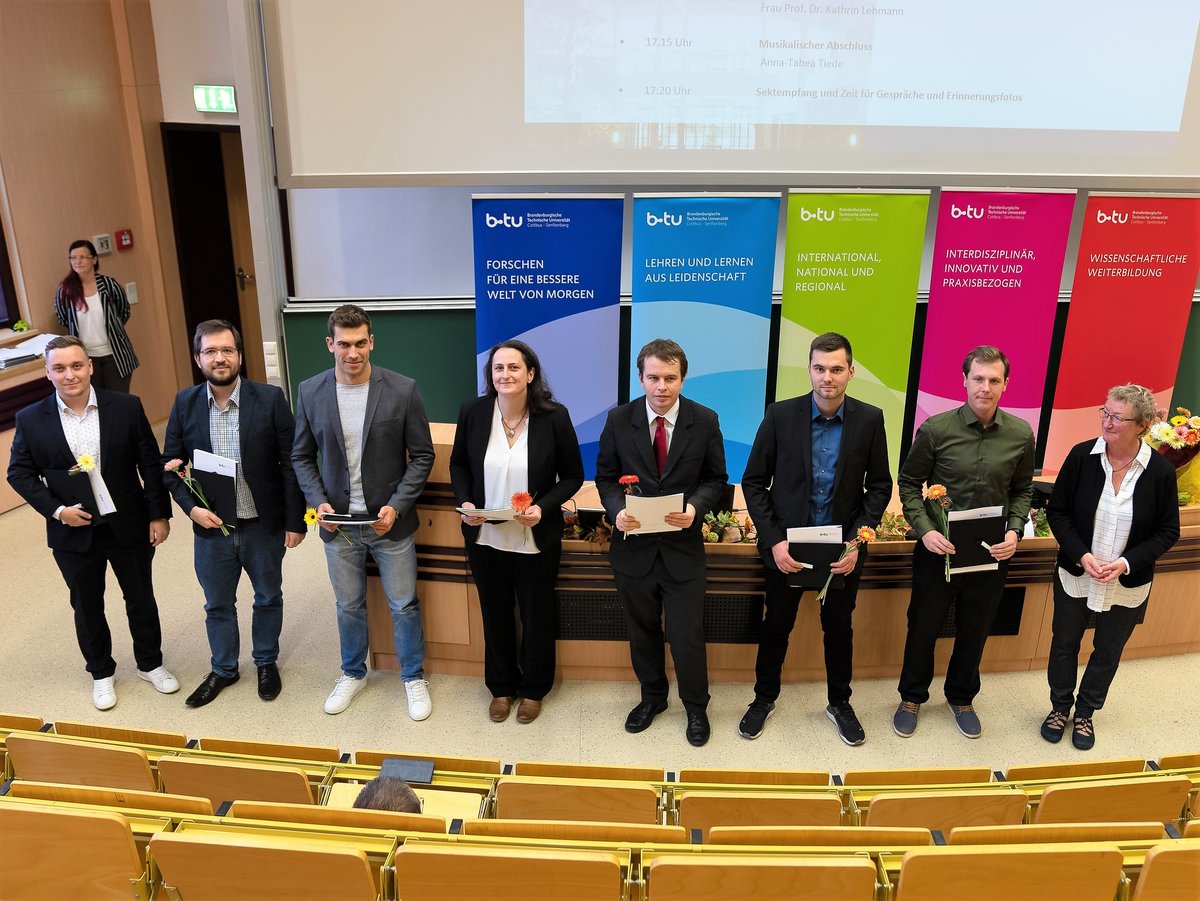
[(1137, 265), (997, 266)]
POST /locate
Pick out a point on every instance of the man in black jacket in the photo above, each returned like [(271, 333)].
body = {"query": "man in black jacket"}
[(103, 513)]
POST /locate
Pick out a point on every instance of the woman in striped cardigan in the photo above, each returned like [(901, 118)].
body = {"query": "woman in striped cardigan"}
[(95, 309)]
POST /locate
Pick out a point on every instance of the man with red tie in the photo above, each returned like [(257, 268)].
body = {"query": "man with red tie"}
[(673, 446)]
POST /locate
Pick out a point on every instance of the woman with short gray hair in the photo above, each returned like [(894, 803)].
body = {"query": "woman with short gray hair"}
[(1114, 512)]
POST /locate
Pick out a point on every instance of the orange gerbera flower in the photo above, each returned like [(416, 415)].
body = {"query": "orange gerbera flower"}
[(936, 492), (866, 535), (521, 501)]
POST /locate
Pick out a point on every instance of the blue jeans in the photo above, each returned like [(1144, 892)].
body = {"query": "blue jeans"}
[(397, 562), (219, 563)]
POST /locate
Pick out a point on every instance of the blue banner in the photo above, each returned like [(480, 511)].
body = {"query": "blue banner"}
[(703, 270), (548, 272)]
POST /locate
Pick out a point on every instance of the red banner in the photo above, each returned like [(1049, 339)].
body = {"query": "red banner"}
[(1138, 260)]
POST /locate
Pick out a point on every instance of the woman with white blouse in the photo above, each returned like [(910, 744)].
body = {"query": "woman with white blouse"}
[(515, 439), (94, 308), (1114, 512)]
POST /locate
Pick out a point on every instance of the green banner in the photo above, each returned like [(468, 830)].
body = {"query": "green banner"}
[(852, 265)]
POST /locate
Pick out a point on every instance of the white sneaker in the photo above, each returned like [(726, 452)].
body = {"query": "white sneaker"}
[(104, 695), (420, 705), (343, 693), (161, 679)]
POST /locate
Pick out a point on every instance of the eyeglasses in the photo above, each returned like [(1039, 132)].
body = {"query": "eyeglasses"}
[(211, 353), (1113, 417), (79, 258)]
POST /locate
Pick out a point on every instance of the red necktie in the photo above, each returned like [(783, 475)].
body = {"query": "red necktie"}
[(660, 444)]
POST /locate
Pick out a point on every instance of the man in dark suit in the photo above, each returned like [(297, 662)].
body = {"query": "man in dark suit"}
[(817, 460), (252, 425), (105, 439), (673, 446), (368, 425)]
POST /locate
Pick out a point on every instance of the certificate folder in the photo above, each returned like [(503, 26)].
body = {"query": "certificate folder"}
[(73, 489), (970, 530), (221, 492), (820, 547)]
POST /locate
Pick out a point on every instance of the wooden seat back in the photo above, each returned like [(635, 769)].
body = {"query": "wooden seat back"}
[(426, 872), (221, 781), (221, 867), (111, 797), (680, 877), (154, 737), (1087, 872), (574, 830), (1032, 833), (336, 816), (48, 758), (20, 721), (443, 762), (282, 750), (820, 836), (945, 810), (949, 775), (703, 810), (563, 799), (50, 853), (588, 771), (724, 776), (1171, 872), (1078, 768), (1159, 798), (1179, 761)]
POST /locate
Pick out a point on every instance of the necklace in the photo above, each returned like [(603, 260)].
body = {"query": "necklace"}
[(511, 430), (1124, 466)]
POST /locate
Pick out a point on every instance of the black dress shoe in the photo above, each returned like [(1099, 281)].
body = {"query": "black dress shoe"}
[(641, 716), (698, 729), (209, 689), (269, 683)]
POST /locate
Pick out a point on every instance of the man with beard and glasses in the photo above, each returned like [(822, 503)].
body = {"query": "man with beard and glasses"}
[(252, 425)]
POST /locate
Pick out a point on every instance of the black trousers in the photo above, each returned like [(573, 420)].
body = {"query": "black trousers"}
[(106, 375), (779, 616), (976, 597), (1113, 628), (645, 600), (505, 579), (84, 574)]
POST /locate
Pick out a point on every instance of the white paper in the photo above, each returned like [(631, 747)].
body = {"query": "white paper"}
[(976, 513), (649, 511), (831, 534), (37, 344), (104, 501), (206, 462), (499, 514)]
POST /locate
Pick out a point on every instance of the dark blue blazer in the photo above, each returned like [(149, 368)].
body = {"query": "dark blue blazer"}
[(778, 478), (555, 464), (266, 429), (128, 450), (695, 468)]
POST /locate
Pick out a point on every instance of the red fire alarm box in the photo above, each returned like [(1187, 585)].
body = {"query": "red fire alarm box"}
[(124, 239)]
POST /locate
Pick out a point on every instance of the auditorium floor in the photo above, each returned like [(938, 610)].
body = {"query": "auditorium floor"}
[(1153, 707)]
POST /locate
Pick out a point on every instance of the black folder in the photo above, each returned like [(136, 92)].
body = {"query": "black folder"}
[(968, 535), (419, 771), (821, 556), (73, 488), (221, 493)]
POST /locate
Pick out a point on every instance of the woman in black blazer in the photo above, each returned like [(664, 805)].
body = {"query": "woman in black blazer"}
[(515, 438), (94, 307), (1114, 512)]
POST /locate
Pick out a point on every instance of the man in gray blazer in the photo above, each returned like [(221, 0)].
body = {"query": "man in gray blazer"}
[(368, 425)]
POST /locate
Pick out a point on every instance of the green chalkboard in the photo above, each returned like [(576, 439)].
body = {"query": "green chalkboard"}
[(1187, 380), (435, 347)]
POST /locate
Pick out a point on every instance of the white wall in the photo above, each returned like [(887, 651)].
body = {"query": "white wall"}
[(193, 44)]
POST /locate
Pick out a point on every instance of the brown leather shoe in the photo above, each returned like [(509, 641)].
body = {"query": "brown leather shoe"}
[(499, 709), (528, 710)]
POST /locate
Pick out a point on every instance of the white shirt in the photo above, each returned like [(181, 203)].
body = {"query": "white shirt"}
[(505, 472), (83, 437), (1110, 535), (93, 331), (670, 416)]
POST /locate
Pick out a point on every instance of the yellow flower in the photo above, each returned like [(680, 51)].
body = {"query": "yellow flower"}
[(311, 517), (1179, 420), (87, 463)]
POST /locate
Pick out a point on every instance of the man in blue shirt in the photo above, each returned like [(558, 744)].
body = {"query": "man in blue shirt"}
[(820, 459)]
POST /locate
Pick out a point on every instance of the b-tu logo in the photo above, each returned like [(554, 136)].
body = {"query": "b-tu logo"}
[(506, 220), (971, 212), (665, 219), (820, 215), (1114, 217)]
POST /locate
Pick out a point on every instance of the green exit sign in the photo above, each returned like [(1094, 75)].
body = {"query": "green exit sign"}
[(214, 98)]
